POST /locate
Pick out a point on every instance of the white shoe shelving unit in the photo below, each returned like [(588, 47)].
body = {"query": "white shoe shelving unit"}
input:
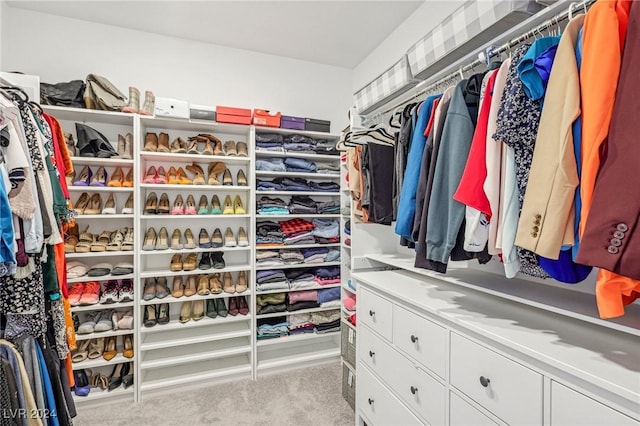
[(288, 352), (208, 349)]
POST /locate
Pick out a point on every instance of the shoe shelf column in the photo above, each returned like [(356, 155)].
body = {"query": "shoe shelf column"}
[(291, 349), (195, 253), (101, 247)]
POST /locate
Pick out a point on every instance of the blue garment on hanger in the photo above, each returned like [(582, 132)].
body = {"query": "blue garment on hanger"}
[(7, 255), (52, 413), (531, 79), (577, 143), (407, 203)]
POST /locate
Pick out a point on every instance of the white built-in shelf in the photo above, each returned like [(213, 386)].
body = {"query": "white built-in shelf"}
[(288, 290), (190, 127), (104, 216), (346, 311), (169, 273), (309, 133), (309, 193), (300, 311), (204, 322), (86, 278), (323, 157), (345, 246), (293, 215), (91, 189), (98, 254), (203, 188), (168, 157), (297, 265), (193, 216), (295, 338), (103, 334), (102, 306), (349, 289), (187, 354), (89, 115), (295, 246), (98, 394), (171, 299), (195, 250), (574, 304), (100, 362), (106, 162), (348, 324), (301, 354), (310, 175), (225, 331)]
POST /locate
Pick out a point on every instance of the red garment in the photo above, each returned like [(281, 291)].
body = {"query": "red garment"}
[(427, 130), (58, 138), (296, 225), (470, 190)]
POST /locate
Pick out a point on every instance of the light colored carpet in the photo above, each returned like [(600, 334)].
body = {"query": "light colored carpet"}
[(308, 396)]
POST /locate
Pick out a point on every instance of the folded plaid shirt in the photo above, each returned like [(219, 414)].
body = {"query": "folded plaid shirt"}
[(296, 225)]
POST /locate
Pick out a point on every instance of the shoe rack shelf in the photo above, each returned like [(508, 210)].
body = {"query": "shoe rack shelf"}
[(102, 307), (291, 216), (165, 157), (171, 299), (224, 330), (98, 335), (201, 188), (265, 247), (320, 287), (297, 265), (307, 156), (312, 194), (109, 277), (296, 338), (168, 273), (98, 189), (261, 173), (97, 394), (101, 362), (98, 254), (194, 250), (205, 322), (194, 217)]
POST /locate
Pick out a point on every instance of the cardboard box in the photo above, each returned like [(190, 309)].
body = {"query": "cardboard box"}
[(174, 108), (263, 117), (317, 125), (289, 122), (29, 83), (233, 115)]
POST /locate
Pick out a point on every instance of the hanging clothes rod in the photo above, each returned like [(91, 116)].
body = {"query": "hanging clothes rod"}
[(506, 47)]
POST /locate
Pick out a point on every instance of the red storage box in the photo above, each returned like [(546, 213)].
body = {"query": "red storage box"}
[(233, 115), (263, 117)]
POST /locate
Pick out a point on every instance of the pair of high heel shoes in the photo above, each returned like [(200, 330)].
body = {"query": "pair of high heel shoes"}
[(105, 347), (207, 284), (212, 308), (156, 314), (92, 143), (101, 178), (179, 176), (122, 374), (213, 146), (92, 204), (160, 240), (153, 205), (213, 260)]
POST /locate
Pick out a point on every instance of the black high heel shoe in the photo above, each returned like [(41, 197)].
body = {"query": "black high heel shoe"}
[(127, 380), (115, 379)]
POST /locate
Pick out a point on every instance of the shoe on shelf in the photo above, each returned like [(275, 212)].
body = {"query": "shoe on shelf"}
[(178, 205), (176, 263), (117, 178), (190, 287), (162, 289), (110, 348), (128, 205), (125, 320), (172, 176), (230, 149), (91, 294), (163, 204), (243, 240), (149, 292), (241, 178), (191, 262), (82, 202), (71, 238), (241, 285), (96, 348), (128, 180), (243, 306), (203, 285), (105, 323), (151, 204), (85, 241), (203, 205), (110, 293), (125, 147), (161, 176), (216, 238), (185, 312), (85, 177), (100, 178), (150, 316), (176, 239), (127, 244), (203, 239), (150, 240), (229, 238), (110, 205), (125, 291), (190, 205), (221, 307), (82, 351), (163, 142), (227, 180), (127, 379), (215, 285), (151, 176), (215, 205), (198, 172), (217, 259), (82, 386), (214, 170), (127, 345), (95, 205), (182, 177), (237, 206), (193, 147), (150, 142), (179, 146), (228, 205), (208, 148), (178, 287), (205, 261), (164, 314), (198, 310), (149, 105), (133, 106), (163, 239), (241, 147), (116, 240), (211, 308), (101, 243), (70, 178), (233, 306), (89, 324), (115, 379), (228, 285), (190, 239)]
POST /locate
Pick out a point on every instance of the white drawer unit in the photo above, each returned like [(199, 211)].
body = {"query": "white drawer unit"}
[(421, 339), (571, 408), (463, 414), (375, 312), (378, 406), (448, 355)]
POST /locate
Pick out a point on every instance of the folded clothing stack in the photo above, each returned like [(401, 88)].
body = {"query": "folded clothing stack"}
[(297, 231), (300, 323), (327, 275), (315, 254), (295, 184), (326, 229), (305, 299), (299, 143), (302, 204), (328, 207), (268, 258), (269, 328), (289, 257), (268, 205), (326, 147), (332, 256), (347, 227), (349, 302), (329, 297), (300, 279), (271, 303), (299, 165), (328, 168), (269, 233), (271, 279), (271, 165), (269, 142), (326, 321)]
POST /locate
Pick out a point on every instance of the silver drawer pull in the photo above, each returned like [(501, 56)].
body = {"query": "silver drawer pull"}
[(371, 354), (370, 401), (414, 338), (484, 381), (372, 313), (414, 390)]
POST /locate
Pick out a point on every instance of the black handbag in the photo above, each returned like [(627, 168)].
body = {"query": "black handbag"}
[(67, 94)]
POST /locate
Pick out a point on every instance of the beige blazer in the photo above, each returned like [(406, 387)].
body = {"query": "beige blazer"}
[(547, 216)]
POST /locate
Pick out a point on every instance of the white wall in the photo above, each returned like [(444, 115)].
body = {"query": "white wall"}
[(3, 26), (62, 49), (416, 26)]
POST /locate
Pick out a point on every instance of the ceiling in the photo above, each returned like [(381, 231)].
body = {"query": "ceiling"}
[(340, 33)]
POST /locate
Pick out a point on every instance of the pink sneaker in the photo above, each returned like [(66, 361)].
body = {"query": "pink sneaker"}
[(91, 294), (75, 292)]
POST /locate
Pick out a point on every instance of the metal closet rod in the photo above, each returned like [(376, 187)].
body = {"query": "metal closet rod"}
[(506, 47)]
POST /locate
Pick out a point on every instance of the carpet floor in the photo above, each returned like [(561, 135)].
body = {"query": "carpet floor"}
[(302, 397)]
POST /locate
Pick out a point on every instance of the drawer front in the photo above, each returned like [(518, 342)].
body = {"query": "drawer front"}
[(421, 339), (421, 392), (463, 414), (505, 388), (569, 408), (375, 312), (378, 405)]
